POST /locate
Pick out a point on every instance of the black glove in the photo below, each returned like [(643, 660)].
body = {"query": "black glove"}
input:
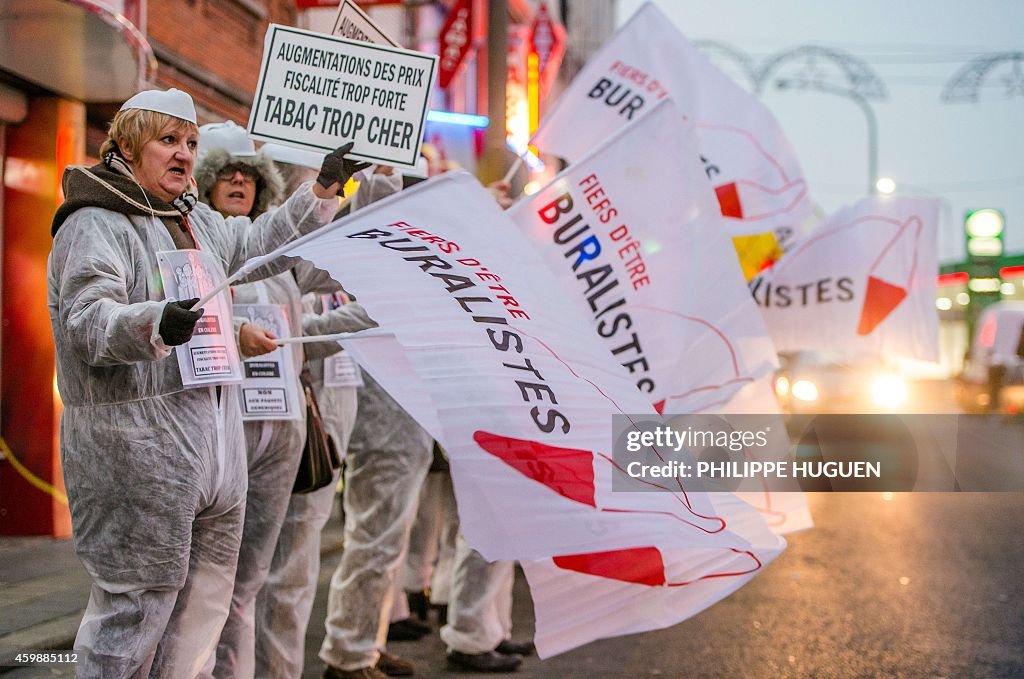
[(177, 323), (337, 168)]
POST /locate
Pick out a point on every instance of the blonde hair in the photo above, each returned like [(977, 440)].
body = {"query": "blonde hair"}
[(132, 129)]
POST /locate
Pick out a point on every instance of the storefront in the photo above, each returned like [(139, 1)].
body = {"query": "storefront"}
[(57, 58)]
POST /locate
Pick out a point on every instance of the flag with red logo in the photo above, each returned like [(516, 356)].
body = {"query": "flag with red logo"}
[(522, 392), (863, 280), (578, 599), (752, 167), (632, 232)]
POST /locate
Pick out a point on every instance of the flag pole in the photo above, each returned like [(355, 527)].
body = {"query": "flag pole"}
[(512, 170), (362, 334), (256, 263)]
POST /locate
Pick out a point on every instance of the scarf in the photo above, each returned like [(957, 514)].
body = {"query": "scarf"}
[(111, 185)]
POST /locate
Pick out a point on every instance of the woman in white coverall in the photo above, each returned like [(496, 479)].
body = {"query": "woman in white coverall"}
[(236, 181), (155, 473)]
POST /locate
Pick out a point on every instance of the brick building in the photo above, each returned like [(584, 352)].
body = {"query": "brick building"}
[(218, 60)]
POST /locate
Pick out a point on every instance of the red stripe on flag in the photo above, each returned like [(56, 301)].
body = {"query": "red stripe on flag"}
[(640, 565), (567, 471), (955, 278), (1012, 272)]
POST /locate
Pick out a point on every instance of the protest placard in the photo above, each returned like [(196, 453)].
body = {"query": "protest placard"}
[(355, 24), (317, 92)]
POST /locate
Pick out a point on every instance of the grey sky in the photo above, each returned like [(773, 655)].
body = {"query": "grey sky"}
[(971, 154)]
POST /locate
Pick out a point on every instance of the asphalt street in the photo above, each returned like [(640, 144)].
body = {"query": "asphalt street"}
[(908, 585)]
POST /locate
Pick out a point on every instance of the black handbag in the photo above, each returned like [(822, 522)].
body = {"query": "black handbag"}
[(320, 455)]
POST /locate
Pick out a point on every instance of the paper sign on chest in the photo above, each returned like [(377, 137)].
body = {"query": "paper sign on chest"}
[(211, 356)]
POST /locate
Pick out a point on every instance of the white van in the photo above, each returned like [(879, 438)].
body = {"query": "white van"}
[(993, 376)]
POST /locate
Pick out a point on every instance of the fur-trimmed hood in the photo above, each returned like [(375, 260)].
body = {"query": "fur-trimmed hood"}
[(269, 191)]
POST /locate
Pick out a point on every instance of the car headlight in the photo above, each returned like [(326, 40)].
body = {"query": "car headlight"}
[(781, 385), (889, 391), (805, 390)]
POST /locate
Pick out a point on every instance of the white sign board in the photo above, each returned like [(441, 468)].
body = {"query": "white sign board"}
[(317, 92), (354, 24)]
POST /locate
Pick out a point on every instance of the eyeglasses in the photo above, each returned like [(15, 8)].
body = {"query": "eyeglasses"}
[(227, 173)]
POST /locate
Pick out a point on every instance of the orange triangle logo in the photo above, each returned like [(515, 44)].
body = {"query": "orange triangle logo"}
[(879, 301), (639, 565)]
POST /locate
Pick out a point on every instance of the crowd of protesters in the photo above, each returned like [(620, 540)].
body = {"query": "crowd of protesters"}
[(203, 560)]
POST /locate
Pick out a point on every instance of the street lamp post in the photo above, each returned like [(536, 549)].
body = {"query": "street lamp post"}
[(869, 116)]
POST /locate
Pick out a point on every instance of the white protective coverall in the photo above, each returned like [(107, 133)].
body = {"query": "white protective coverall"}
[(285, 601), (155, 472), (480, 606), (274, 449), (428, 565), (388, 457)]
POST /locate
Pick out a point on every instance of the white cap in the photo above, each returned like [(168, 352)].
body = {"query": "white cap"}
[(228, 136), (293, 156), (172, 102)]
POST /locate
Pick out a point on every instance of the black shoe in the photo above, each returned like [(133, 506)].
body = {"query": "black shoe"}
[(523, 647), (393, 666), (407, 630), (331, 672), (491, 661), (418, 604)]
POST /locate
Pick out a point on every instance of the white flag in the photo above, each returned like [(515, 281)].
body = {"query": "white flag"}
[(753, 169), (522, 392), (632, 233), (863, 280), (580, 598)]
